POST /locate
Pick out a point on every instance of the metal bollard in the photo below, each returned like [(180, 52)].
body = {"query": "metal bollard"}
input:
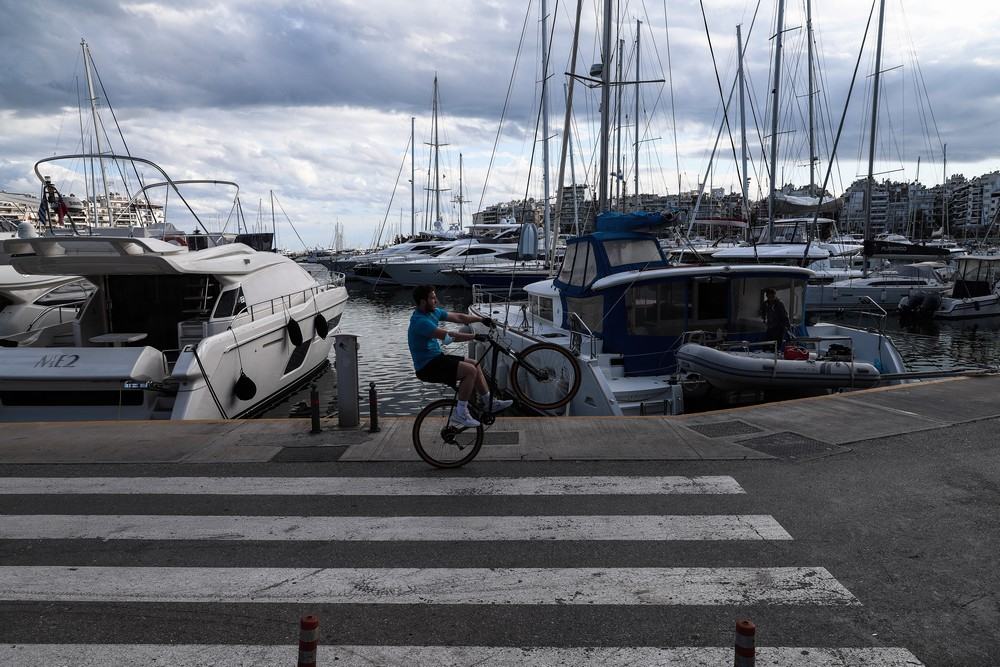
[(308, 640), (373, 408), (348, 387), (746, 644), (314, 409)]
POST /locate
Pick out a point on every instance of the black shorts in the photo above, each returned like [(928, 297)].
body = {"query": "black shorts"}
[(442, 368)]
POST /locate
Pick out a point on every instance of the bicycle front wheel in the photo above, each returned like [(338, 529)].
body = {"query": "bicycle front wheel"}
[(441, 443), (545, 376)]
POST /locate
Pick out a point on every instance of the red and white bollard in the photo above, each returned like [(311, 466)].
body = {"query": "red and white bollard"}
[(746, 644), (308, 639)]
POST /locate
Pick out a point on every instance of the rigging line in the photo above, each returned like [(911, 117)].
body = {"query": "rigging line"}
[(506, 106), (121, 135), (538, 115), (840, 129), (919, 79), (722, 96), (388, 208), (673, 99), (289, 221)]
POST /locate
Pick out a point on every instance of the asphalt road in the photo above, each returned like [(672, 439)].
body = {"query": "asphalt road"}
[(902, 530)]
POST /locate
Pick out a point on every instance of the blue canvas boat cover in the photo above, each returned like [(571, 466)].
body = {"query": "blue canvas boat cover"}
[(638, 221)]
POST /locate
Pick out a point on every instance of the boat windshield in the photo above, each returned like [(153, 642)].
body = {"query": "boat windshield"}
[(625, 252), (579, 266)]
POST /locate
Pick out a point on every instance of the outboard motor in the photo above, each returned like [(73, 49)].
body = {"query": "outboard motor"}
[(930, 303), (910, 305)]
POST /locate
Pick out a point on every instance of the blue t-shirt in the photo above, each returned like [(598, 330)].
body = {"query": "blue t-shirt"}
[(423, 345)]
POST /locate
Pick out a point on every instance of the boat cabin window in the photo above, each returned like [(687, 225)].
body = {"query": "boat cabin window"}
[(541, 306), (797, 231), (230, 303), (747, 301), (579, 266), (657, 310), (477, 251), (590, 310), (709, 303), (976, 277), (631, 251)]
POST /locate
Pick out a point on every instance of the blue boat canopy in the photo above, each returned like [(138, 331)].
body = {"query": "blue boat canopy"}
[(638, 221)]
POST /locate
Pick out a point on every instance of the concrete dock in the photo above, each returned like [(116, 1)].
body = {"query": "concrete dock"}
[(800, 429)]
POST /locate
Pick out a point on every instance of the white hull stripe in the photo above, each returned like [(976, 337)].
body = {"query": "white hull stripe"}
[(101, 655), (372, 486), (417, 528), (535, 586)]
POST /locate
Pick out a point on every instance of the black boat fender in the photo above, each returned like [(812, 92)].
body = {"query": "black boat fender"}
[(294, 332), (322, 326)]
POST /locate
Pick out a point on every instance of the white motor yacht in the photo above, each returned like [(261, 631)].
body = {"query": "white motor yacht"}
[(883, 288), (975, 293), (168, 333)]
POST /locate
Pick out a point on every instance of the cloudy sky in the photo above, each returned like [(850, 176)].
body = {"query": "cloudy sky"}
[(313, 100)]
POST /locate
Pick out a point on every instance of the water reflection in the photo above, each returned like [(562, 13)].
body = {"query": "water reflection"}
[(944, 345), (380, 317)]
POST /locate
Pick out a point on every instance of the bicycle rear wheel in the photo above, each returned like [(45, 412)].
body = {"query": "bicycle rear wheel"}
[(545, 376), (440, 443)]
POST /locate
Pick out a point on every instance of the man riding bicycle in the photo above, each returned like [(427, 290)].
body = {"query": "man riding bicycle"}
[(433, 365)]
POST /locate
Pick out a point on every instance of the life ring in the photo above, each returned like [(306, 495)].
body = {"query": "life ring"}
[(176, 240), (322, 326)]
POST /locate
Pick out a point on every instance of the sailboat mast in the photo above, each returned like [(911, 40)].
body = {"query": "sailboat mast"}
[(413, 180), (778, 36), (605, 104), (274, 225), (460, 200), (743, 126), (97, 131), (619, 167), (944, 190), (567, 140), (812, 93), (874, 123), (638, 52), (547, 212), (437, 155)]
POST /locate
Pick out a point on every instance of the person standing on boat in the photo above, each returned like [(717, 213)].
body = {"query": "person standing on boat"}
[(775, 318), (431, 364)]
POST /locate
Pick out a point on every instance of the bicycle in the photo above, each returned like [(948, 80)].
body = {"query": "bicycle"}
[(543, 376)]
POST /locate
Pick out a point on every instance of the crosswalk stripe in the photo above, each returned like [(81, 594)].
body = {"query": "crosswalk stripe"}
[(529, 586), (418, 528), (368, 486), (101, 655)]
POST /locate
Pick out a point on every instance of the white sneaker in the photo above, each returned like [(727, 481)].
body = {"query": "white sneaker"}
[(497, 405), (463, 420)]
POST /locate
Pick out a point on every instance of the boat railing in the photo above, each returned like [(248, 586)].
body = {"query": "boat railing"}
[(74, 305), (871, 308), (279, 304), (577, 329), (835, 348)]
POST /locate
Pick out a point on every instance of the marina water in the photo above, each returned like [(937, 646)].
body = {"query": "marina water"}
[(379, 318)]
